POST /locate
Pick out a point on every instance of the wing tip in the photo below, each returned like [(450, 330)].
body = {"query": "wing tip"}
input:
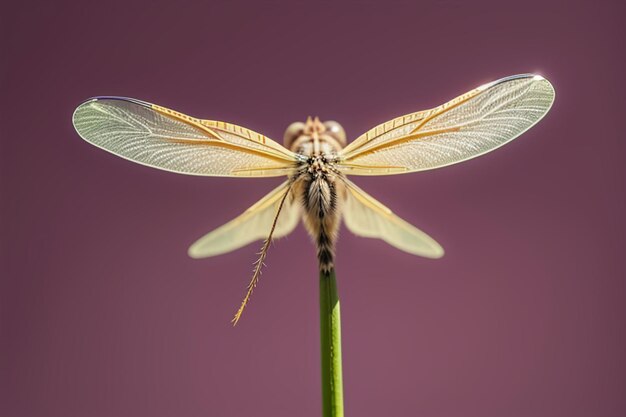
[(112, 98), (194, 252), (94, 99), (533, 77), (116, 98), (436, 252), (440, 253), (537, 79)]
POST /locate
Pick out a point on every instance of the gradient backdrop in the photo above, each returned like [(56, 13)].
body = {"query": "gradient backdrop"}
[(103, 314)]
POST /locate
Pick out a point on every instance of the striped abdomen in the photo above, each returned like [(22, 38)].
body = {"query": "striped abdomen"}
[(321, 198)]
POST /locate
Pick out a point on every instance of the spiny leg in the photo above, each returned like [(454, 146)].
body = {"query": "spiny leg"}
[(259, 263)]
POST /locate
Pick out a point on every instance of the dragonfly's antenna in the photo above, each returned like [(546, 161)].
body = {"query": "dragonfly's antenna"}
[(259, 263)]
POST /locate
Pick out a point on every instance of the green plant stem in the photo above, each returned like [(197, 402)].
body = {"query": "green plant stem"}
[(330, 337)]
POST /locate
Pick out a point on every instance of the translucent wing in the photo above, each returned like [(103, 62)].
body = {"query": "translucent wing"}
[(254, 224), (466, 127), (161, 138), (365, 216)]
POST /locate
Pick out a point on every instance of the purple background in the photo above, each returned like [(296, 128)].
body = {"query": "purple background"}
[(103, 314)]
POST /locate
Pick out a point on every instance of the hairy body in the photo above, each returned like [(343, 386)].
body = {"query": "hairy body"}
[(317, 184)]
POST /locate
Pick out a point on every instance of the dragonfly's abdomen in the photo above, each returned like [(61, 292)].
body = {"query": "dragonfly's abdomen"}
[(321, 199)]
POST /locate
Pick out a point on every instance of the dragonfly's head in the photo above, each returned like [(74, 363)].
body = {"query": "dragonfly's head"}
[(329, 132)]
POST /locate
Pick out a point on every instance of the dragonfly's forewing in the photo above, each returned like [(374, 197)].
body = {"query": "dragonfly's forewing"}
[(466, 127), (161, 138)]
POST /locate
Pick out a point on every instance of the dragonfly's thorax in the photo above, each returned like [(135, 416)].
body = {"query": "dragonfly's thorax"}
[(309, 147), (321, 165), (319, 184)]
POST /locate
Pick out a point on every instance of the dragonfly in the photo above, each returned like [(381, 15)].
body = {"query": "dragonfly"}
[(316, 161)]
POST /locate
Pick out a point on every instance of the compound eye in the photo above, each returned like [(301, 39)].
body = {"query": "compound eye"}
[(335, 130), (293, 131)]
